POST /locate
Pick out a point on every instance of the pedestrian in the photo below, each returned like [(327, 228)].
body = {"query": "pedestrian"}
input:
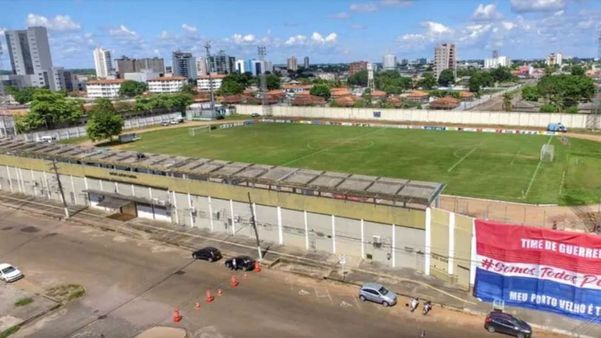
[(554, 225), (427, 307), (414, 304), (422, 334), (234, 267)]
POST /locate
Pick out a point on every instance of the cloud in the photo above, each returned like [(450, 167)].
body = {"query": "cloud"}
[(358, 26), (524, 6), (400, 3), (319, 39), (340, 15), (486, 12), (122, 31), (435, 28), (189, 28), (364, 7), (296, 40), (60, 23), (240, 39)]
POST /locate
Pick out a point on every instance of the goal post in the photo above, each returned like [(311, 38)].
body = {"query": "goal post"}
[(200, 129), (547, 153)]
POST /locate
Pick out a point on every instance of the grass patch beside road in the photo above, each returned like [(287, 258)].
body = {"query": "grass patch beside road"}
[(24, 301), (9, 331), (66, 293)]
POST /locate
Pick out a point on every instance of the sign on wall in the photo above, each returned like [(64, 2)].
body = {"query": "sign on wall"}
[(538, 268)]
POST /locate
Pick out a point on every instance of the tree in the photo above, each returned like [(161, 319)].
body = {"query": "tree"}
[(446, 78), (358, 79), (273, 81), (548, 108), (392, 82), (530, 93), (507, 101), (428, 81), (321, 90), (229, 87), (188, 89), (23, 95), (130, 88), (103, 124), (164, 102), (564, 91), (50, 109), (577, 70), (502, 74), (102, 105)]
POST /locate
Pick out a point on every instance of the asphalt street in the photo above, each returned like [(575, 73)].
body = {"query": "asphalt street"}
[(134, 284)]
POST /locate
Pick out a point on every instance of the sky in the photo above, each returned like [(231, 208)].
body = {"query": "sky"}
[(328, 31)]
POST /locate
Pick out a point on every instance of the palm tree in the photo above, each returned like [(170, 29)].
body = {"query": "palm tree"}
[(507, 101)]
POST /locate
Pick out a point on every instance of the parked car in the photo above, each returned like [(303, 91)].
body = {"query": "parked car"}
[(240, 263), (165, 123), (502, 322), (377, 293), (9, 273), (557, 127), (255, 115), (209, 253)]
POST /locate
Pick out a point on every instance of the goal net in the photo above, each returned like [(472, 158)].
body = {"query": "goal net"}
[(197, 130), (547, 153)]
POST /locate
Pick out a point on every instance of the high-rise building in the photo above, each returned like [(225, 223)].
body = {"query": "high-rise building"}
[(389, 62), (356, 67), (184, 65), (30, 57), (241, 66), (554, 59), (103, 63), (222, 63), (292, 64), (306, 62), (128, 65), (444, 58), (201, 66)]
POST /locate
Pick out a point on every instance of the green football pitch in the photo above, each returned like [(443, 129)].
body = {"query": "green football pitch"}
[(486, 165)]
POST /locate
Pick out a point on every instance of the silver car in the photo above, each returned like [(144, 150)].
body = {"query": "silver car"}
[(377, 293)]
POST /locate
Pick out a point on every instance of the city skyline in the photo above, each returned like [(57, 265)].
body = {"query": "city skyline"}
[(327, 32)]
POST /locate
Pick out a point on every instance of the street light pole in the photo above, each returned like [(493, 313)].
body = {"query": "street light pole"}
[(60, 188), (254, 225)]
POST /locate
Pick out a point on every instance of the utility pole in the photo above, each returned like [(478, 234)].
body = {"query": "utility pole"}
[(254, 225), (208, 50), (60, 188)]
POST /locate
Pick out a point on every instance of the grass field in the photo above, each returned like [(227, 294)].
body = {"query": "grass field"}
[(497, 166)]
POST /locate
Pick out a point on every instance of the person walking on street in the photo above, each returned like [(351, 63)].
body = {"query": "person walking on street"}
[(414, 304)]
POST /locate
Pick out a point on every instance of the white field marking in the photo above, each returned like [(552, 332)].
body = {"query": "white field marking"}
[(323, 293), (563, 180), (331, 147), (514, 157), (344, 304), (461, 159), (535, 173), (303, 292)]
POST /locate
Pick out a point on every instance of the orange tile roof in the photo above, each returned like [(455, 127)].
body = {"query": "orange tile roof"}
[(418, 93)]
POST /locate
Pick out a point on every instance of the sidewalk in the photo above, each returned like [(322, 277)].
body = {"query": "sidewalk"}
[(320, 265)]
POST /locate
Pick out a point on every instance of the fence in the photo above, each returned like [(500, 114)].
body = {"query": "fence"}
[(72, 132), (521, 119)]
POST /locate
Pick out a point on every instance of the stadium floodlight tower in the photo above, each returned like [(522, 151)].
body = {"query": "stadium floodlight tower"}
[(594, 120), (208, 50), (262, 51)]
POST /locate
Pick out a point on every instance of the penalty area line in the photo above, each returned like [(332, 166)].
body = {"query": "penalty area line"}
[(540, 162), (461, 159)]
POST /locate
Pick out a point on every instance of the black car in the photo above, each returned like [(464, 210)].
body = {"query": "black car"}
[(502, 322), (240, 263), (209, 253)]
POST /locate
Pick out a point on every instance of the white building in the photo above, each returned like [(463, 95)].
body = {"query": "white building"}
[(499, 61), (166, 84), (389, 62), (204, 83), (241, 66), (104, 88), (554, 59), (142, 76), (103, 63), (292, 64), (201, 66)]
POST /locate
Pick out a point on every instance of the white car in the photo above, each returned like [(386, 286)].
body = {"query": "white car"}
[(9, 273)]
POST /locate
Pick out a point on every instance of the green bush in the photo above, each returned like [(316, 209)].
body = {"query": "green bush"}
[(548, 108)]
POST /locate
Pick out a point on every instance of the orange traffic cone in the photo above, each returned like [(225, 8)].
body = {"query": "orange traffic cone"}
[(257, 266), (177, 317), (234, 282), (220, 292), (197, 306), (209, 297)]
